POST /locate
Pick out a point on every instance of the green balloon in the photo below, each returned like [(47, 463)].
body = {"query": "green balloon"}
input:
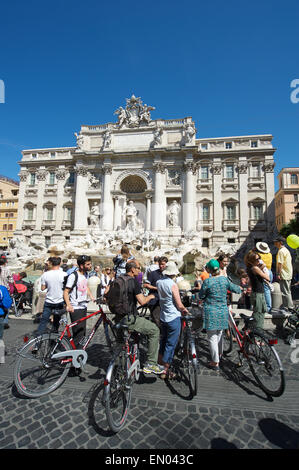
[(293, 241)]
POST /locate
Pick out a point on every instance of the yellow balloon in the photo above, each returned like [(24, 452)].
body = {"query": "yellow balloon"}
[(293, 241)]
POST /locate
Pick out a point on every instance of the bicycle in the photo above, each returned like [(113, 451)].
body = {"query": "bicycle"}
[(186, 355), (43, 363), (122, 372), (262, 357)]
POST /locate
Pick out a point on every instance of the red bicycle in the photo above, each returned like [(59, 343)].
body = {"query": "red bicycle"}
[(43, 363), (259, 351)]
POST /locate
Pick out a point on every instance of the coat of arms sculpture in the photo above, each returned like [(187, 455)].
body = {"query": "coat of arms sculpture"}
[(135, 114)]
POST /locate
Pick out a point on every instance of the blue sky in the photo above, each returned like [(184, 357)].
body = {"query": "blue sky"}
[(229, 65)]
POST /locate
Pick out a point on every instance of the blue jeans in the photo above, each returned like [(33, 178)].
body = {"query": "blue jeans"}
[(170, 336), (267, 292), (47, 312)]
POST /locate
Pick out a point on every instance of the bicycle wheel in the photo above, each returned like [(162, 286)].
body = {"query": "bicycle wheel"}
[(227, 340), (192, 365), (265, 365), (117, 393), (110, 335), (35, 373), (189, 364)]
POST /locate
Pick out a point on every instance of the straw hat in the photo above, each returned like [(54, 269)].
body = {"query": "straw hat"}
[(263, 247)]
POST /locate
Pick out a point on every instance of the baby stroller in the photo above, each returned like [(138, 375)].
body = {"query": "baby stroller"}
[(292, 326), (22, 294)]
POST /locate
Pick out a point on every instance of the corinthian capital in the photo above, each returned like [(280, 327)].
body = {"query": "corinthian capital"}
[(190, 166), (269, 167), (107, 169), (61, 174), (81, 170), (159, 167), (242, 168), (23, 175), (41, 175), (217, 169)]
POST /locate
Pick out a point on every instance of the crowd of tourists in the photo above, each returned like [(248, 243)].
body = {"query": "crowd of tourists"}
[(64, 284)]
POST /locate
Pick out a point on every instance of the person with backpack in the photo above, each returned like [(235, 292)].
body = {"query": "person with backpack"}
[(5, 304), (122, 296), (52, 280), (120, 261), (75, 296), (6, 280)]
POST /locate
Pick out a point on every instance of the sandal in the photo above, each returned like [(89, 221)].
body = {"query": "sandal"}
[(167, 374)]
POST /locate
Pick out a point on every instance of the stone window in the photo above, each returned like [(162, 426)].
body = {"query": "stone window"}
[(295, 197), (204, 172), (228, 145), (229, 171), (205, 243), (253, 144), (32, 179), (52, 177), (205, 212), (257, 211), (231, 212), (256, 170), (53, 154), (29, 213), (294, 179), (204, 146), (49, 213), (133, 184)]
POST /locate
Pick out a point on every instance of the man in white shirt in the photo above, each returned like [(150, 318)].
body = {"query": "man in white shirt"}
[(75, 296), (52, 280)]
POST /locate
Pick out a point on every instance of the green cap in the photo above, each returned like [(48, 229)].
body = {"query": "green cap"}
[(213, 265)]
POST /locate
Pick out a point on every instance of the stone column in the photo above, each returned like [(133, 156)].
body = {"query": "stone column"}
[(107, 202), (60, 176), (117, 213), (41, 178), (189, 214), (218, 215), (148, 212), (81, 202), (159, 204), (21, 200), (243, 199), (270, 193)]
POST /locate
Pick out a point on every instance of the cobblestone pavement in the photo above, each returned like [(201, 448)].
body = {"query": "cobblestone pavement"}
[(230, 411)]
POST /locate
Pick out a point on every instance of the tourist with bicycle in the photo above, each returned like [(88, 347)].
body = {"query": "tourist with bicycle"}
[(150, 284), (52, 281), (214, 293), (257, 277), (134, 321), (75, 296), (171, 308)]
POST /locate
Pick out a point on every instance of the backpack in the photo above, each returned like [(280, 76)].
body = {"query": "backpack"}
[(19, 287), (74, 284), (117, 297)]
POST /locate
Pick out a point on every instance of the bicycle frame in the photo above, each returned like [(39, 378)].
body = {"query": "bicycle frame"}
[(132, 363), (79, 356), (241, 339)]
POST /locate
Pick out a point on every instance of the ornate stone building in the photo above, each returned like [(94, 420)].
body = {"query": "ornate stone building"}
[(150, 175)]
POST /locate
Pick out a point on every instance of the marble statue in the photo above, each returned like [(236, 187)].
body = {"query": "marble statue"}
[(173, 214), (189, 132), (94, 215)]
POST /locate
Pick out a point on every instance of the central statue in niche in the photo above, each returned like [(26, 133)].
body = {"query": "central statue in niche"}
[(130, 214)]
